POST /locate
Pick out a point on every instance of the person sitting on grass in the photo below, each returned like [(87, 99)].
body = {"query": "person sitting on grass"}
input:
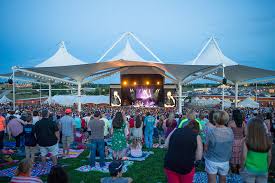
[(115, 169), (23, 173), (136, 148), (57, 175)]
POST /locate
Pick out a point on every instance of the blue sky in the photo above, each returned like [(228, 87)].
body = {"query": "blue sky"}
[(174, 30)]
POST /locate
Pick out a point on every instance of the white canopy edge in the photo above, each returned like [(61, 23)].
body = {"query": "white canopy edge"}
[(61, 58), (70, 100)]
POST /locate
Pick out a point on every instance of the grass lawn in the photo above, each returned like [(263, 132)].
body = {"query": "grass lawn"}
[(148, 171)]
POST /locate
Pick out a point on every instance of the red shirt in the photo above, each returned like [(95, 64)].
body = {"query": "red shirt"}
[(131, 123)]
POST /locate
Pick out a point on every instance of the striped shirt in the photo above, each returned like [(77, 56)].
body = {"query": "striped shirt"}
[(23, 179)]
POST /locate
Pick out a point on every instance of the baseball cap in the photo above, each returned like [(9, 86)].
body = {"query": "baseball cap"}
[(97, 114), (115, 167), (68, 111)]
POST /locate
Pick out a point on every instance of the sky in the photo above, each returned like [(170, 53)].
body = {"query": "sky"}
[(175, 31)]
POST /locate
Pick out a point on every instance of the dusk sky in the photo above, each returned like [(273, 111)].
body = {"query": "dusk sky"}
[(175, 31)]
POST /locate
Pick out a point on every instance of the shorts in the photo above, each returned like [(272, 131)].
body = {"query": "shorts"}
[(67, 140), (53, 150), (220, 168), (252, 177)]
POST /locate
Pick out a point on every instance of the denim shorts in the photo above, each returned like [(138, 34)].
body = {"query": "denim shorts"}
[(249, 177)]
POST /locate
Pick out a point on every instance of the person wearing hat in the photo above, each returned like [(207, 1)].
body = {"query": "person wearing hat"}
[(96, 126), (67, 128), (115, 169)]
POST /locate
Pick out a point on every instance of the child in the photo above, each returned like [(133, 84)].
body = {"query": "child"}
[(30, 140), (136, 148), (115, 169), (23, 173)]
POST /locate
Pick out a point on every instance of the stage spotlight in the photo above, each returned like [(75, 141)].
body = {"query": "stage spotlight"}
[(147, 82), (158, 83), (135, 83), (125, 83)]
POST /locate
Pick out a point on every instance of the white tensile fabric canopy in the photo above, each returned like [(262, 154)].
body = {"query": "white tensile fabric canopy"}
[(128, 54), (5, 100), (248, 102), (227, 103), (69, 100), (80, 72), (61, 58), (211, 54)]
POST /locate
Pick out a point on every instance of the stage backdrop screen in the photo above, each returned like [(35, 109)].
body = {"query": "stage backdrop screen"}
[(142, 90)]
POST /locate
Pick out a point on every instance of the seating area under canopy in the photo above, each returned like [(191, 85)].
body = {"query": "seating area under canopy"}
[(210, 64)]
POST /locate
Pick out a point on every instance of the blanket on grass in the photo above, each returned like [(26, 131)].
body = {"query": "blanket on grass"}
[(97, 168), (9, 144), (6, 163), (37, 170), (202, 177), (145, 154), (74, 153)]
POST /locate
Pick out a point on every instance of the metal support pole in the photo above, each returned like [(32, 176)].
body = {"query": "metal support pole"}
[(223, 88), (13, 87), (79, 96), (180, 98), (40, 94), (256, 93), (50, 94), (236, 94)]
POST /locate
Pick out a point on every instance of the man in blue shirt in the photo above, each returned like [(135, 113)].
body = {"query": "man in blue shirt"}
[(149, 123)]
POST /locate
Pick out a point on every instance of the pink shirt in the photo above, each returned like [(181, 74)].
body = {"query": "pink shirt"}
[(15, 127)]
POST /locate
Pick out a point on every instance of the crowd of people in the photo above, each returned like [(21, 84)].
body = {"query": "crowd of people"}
[(237, 141)]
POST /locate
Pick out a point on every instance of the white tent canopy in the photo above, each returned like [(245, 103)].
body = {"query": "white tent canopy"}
[(211, 54), (61, 58), (5, 100), (248, 102), (227, 103), (128, 54), (69, 100)]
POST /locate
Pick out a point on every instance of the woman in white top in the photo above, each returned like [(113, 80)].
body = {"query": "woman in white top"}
[(137, 130)]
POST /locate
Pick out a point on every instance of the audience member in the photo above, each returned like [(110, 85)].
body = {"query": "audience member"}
[(237, 126), (47, 135), (149, 123), (23, 173), (2, 131), (57, 175), (67, 128), (119, 138), (185, 147), (115, 169), (30, 139), (96, 126), (256, 153), (218, 148)]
